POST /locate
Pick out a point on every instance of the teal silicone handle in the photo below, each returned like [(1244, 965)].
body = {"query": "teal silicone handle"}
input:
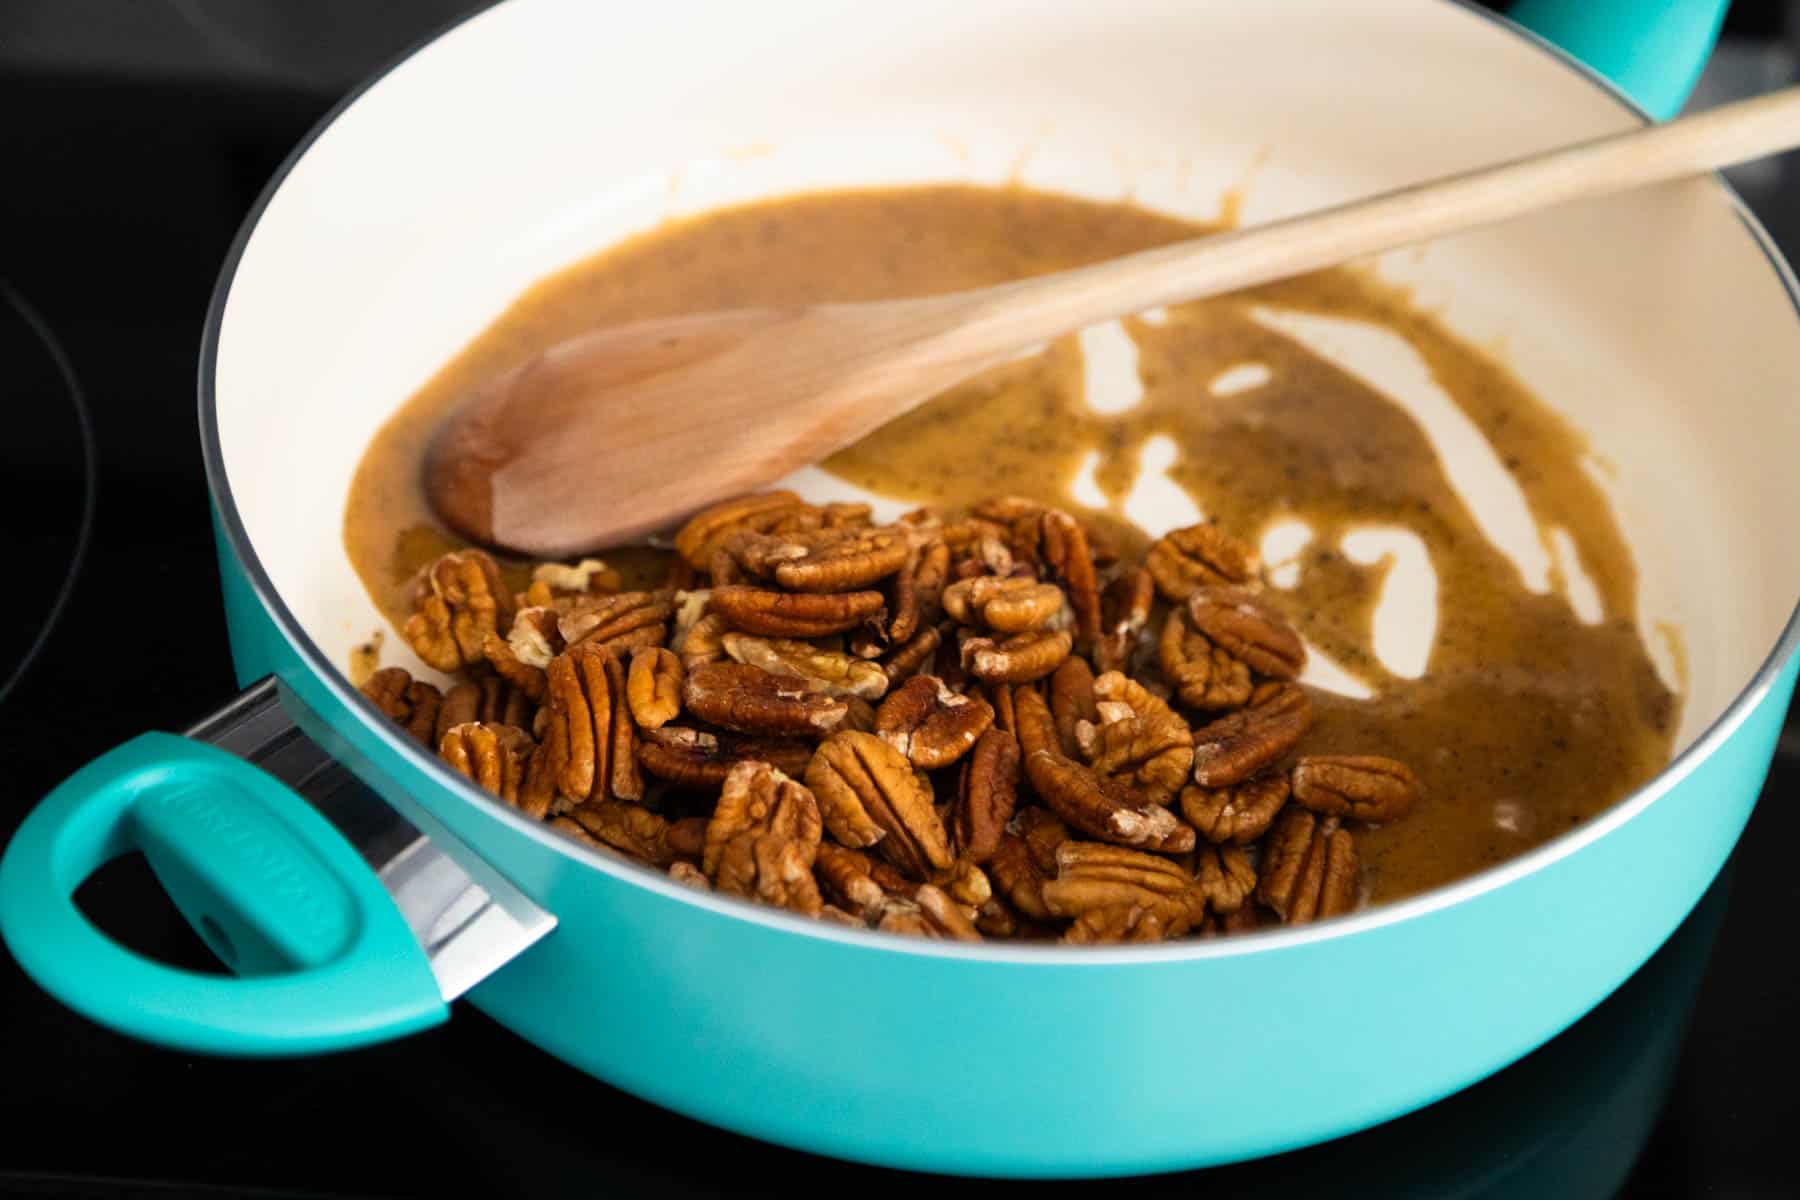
[(323, 960), (1653, 50)]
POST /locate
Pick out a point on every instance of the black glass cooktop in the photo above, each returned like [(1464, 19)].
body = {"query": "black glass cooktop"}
[(134, 138)]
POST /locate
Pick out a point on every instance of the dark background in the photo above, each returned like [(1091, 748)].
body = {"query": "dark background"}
[(133, 139)]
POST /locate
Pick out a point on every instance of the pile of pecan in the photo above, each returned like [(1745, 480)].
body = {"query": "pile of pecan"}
[(980, 726)]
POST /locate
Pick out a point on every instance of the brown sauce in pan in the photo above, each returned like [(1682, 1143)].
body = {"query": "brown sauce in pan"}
[(1526, 721)]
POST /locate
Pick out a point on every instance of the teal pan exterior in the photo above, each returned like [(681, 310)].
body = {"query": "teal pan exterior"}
[(985, 1060), (1024, 1063)]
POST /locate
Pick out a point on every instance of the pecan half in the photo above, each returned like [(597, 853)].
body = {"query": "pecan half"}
[(704, 643), (826, 561), (1124, 612), (1309, 867), (592, 740), (1104, 808), (536, 637), (653, 686), (1238, 814), (410, 703), (908, 659), (1044, 834), (748, 699), (795, 615), (763, 838), (870, 795), (1058, 543), (1100, 807), (494, 756), (1139, 739), (489, 699), (686, 873), (1000, 698), (963, 881), (1072, 701), (1022, 658), (966, 883), (1199, 556), (748, 554), (1235, 747), (1267, 690), (847, 876), (1235, 620), (930, 724), (987, 791), (1203, 675), (1031, 721), (708, 529), (537, 791), (1003, 605), (1090, 876), (978, 547), (1366, 787), (527, 678), (1119, 923), (928, 913), (634, 830), (828, 672), (619, 623), (996, 919), (1018, 878), (458, 601), (893, 881), (1225, 876), (926, 574), (699, 759)]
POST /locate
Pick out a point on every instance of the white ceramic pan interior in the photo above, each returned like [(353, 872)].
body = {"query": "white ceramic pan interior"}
[(537, 133)]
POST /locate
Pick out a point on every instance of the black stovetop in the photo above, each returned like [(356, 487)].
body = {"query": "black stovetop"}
[(132, 145)]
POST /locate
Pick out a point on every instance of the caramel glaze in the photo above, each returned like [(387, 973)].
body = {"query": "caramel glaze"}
[(1526, 721)]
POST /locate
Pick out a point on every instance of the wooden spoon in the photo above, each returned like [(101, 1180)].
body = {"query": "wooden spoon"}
[(618, 432)]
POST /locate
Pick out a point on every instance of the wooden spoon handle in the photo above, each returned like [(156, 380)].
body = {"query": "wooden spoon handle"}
[(1019, 314), (750, 396)]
